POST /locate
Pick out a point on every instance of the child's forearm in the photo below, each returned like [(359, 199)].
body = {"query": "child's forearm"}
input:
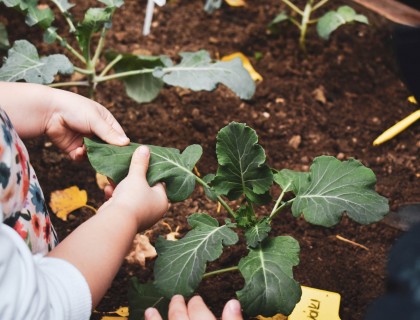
[(27, 105), (98, 247)]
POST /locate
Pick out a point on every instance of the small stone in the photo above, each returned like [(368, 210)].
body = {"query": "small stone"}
[(295, 141)]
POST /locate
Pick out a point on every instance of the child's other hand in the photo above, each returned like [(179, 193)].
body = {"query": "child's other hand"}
[(195, 310), (134, 196), (73, 116)]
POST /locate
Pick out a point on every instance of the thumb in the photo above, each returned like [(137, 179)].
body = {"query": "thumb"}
[(232, 310), (140, 161)]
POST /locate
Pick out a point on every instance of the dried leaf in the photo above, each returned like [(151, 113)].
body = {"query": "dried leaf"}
[(63, 202), (236, 3), (246, 64), (172, 235), (141, 250), (101, 181), (122, 311)]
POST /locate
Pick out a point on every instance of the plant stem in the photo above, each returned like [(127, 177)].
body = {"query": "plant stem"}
[(212, 273), (293, 7), (69, 84), (304, 24), (110, 65), (99, 48), (279, 200), (274, 213), (64, 13), (319, 5), (83, 71), (122, 75), (71, 49), (219, 198)]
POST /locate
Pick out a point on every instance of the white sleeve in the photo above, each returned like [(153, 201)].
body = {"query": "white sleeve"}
[(37, 287)]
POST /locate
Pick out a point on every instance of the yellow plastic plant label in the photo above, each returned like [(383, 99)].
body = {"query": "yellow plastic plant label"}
[(246, 63), (236, 3), (317, 304)]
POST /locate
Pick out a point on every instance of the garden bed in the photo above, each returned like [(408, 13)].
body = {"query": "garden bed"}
[(335, 101)]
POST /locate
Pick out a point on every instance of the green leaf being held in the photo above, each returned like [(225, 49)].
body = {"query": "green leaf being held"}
[(23, 63), (180, 265), (166, 165), (142, 296)]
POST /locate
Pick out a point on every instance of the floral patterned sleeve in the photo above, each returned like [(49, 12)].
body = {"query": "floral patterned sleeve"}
[(21, 198)]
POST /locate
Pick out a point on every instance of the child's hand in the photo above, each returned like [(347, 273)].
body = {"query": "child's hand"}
[(195, 310), (71, 117), (134, 196)]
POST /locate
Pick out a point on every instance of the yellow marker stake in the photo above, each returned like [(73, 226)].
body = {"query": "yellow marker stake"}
[(314, 304), (397, 128), (317, 304)]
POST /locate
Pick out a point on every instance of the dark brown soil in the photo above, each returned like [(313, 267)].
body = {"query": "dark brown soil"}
[(358, 74)]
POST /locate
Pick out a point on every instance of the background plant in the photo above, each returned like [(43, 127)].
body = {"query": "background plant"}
[(321, 196), (325, 25), (143, 76)]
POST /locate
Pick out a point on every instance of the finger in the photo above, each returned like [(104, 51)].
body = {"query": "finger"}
[(78, 154), (197, 310), (108, 129), (139, 161), (232, 310), (108, 191), (177, 308), (152, 314)]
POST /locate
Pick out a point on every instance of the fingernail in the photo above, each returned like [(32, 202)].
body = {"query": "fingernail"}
[(143, 150), (124, 140), (150, 313), (234, 306)]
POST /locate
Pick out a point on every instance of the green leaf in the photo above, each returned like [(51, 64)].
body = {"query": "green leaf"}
[(40, 17), (50, 35), (23, 63), (63, 5), (142, 296), (209, 191), (166, 164), (282, 16), (269, 286), (212, 5), (197, 72), (21, 5), (242, 168), (333, 187), (112, 3), (245, 216), (4, 40), (142, 87), (180, 265), (257, 233), (94, 20), (285, 178), (332, 20)]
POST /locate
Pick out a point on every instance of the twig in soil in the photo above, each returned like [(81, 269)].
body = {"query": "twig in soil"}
[(352, 242)]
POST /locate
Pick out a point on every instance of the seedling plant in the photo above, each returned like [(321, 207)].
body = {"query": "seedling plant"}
[(321, 196), (325, 25), (143, 75)]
